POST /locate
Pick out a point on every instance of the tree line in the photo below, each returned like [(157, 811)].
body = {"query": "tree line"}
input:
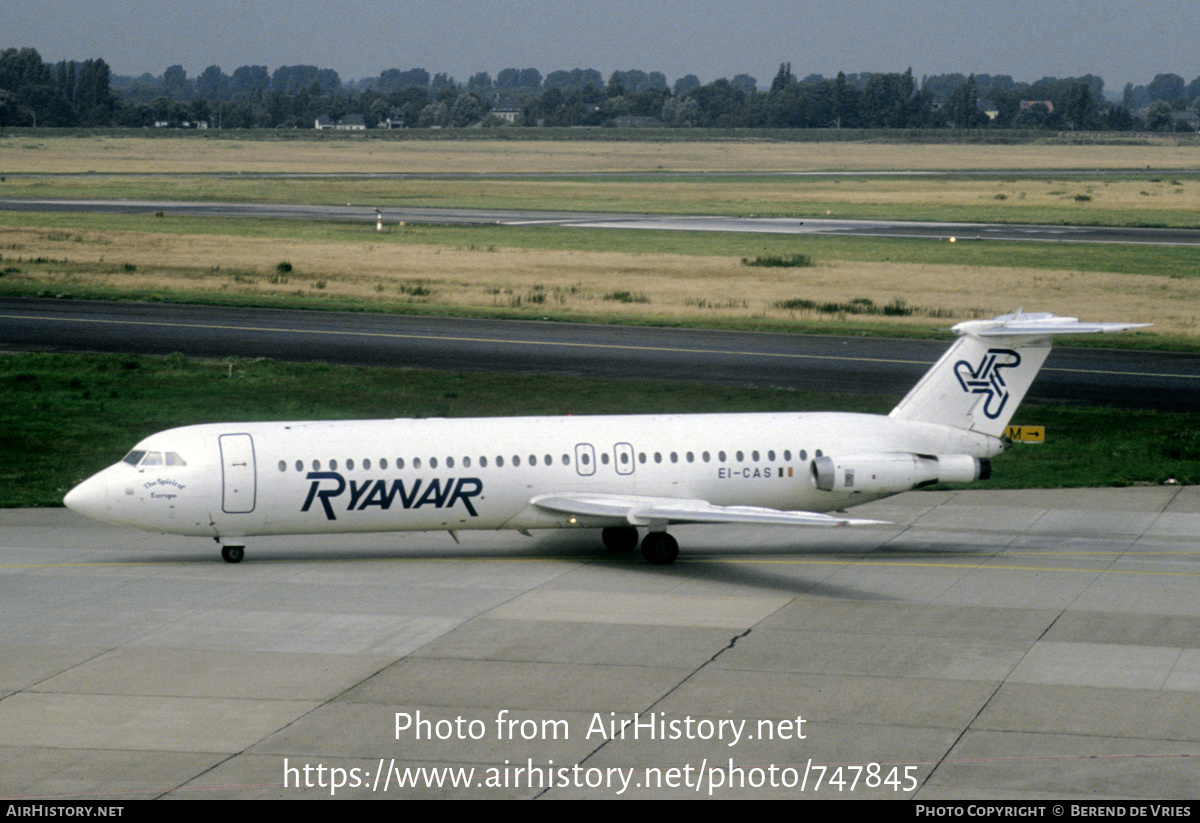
[(73, 93)]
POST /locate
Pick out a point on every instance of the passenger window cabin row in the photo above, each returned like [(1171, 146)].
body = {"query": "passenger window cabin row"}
[(499, 461)]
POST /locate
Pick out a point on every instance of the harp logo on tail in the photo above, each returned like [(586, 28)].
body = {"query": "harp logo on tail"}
[(988, 379)]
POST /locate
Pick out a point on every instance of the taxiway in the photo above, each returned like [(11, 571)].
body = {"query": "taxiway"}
[(802, 225), (987, 645), (1122, 378)]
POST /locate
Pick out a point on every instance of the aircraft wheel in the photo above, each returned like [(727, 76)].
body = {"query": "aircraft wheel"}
[(620, 539), (233, 554), (659, 549)]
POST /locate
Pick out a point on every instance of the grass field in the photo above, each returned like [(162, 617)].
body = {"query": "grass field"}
[(1158, 182), (609, 276), (598, 276), (225, 154)]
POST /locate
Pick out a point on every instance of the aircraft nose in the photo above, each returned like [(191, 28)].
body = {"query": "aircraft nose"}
[(89, 498)]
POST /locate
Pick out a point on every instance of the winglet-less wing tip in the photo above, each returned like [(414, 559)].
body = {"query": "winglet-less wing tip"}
[(861, 522)]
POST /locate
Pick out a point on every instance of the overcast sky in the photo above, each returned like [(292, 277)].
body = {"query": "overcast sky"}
[(1119, 40)]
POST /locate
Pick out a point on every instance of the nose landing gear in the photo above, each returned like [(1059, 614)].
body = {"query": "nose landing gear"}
[(231, 552)]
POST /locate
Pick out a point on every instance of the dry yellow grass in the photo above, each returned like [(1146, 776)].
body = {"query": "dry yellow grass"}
[(1029, 193), (581, 284), (196, 155)]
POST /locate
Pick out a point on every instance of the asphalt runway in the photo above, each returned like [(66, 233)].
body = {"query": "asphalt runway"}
[(988, 645), (773, 225), (1121, 378)]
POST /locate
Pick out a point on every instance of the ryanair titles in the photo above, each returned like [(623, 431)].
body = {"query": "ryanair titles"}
[(441, 493)]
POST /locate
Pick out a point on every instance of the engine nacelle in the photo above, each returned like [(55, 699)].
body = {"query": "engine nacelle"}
[(896, 472)]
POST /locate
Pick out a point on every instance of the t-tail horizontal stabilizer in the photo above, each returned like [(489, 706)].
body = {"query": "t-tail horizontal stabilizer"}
[(979, 382)]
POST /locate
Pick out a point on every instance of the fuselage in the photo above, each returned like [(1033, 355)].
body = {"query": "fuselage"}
[(236, 480)]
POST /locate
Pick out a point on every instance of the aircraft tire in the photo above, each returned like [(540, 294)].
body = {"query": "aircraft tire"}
[(659, 549), (620, 539), (233, 554)]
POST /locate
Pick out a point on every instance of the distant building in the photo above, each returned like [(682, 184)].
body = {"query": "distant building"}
[(184, 124), (393, 121), (508, 110), (351, 122), (1048, 105)]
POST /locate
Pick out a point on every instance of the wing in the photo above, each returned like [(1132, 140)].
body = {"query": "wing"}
[(661, 511)]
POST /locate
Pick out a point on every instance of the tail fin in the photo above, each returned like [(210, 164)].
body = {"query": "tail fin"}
[(980, 380)]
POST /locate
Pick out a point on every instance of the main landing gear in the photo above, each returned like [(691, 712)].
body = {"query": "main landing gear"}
[(658, 548), (620, 539)]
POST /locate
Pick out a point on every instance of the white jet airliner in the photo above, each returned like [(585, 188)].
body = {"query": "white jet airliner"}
[(232, 481)]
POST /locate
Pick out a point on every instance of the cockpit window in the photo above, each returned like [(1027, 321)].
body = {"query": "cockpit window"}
[(145, 459)]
